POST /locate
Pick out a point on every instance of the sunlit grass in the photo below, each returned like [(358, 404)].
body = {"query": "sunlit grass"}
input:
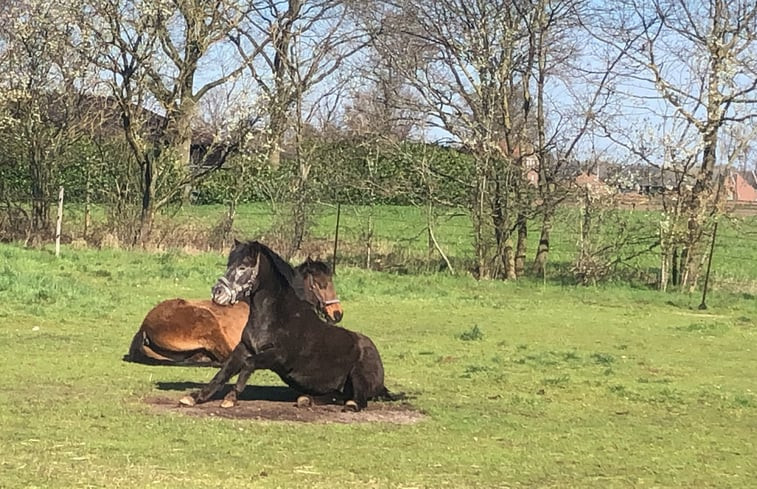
[(525, 385), (399, 240)]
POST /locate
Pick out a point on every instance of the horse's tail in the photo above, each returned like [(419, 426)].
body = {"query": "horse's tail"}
[(385, 395), (140, 351), (143, 351), (136, 352)]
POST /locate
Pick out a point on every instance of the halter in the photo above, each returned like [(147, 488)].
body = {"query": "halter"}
[(323, 302), (237, 291)]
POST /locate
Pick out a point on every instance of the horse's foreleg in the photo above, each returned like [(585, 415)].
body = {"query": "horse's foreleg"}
[(247, 369), (231, 366)]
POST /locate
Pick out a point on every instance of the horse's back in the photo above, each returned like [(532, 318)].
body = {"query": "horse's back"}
[(319, 358), (195, 317), (371, 365), (180, 325)]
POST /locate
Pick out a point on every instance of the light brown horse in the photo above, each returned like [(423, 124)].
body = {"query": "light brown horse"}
[(203, 333)]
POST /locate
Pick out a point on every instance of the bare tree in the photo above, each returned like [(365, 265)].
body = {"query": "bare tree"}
[(466, 61), (297, 45), (44, 112), (481, 72), (564, 59), (156, 58), (694, 62)]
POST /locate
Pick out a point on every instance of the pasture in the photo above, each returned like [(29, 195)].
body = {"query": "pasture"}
[(525, 384)]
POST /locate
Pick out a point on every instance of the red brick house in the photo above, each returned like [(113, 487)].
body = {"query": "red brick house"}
[(592, 184), (739, 189)]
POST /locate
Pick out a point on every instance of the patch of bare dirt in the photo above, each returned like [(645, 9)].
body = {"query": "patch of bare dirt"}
[(279, 404)]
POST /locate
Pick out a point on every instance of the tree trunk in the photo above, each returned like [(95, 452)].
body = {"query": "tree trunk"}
[(675, 270), (501, 220), (147, 212), (508, 259), (665, 261), (520, 248), (482, 269), (542, 251), (40, 177), (87, 202), (299, 216), (146, 220), (277, 128), (180, 144), (701, 196)]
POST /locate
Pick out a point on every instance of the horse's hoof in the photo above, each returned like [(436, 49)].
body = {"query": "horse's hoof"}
[(350, 406), (187, 401), (304, 402), (227, 403)]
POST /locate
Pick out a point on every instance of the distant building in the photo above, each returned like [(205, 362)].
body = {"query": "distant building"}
[(592, 184), (739, 189), (525, 155)]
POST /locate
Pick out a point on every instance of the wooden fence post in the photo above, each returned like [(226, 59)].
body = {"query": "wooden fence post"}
[(703, 305), (336, 237), (59, 223)]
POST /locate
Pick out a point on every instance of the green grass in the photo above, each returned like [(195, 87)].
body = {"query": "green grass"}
[(400, 243), (524, 384)]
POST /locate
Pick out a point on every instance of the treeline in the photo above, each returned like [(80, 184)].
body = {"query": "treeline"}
[(140, 106)]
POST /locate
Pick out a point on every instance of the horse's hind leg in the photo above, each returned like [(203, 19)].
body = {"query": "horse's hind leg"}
[(356, 390), (366, 378), (231, 366)]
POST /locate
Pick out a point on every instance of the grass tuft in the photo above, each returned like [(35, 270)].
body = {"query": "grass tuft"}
[(473, 334)]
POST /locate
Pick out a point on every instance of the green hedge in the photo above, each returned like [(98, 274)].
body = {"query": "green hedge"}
[(353, 171), (347, 170)]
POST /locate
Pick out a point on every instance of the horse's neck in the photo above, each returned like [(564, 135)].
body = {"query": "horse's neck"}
[(277, 299), (263, 297)]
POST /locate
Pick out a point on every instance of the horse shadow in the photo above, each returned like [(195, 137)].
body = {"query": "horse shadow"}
[(271, 393)]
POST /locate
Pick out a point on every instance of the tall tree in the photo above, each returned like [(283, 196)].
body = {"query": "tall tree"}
[(290, 49), (44, 111), (479, 70), (695, 61), (158, 59), (572, 87)]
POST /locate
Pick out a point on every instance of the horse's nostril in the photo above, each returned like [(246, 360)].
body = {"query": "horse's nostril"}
[(337, 316)]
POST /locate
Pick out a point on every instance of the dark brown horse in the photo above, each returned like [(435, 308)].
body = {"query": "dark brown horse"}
[(284, 335), (203, 333)]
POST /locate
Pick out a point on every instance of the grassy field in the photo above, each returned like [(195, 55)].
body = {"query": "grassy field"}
[(525, 384), (399, 240)]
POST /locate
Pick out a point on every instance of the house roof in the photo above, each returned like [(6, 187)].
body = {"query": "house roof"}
[(592, 183)]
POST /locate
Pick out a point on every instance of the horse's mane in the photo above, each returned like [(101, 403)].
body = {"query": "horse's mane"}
[(284, 269), (316, 266)]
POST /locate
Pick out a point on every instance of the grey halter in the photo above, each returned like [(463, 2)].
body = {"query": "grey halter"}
[(235, 291)]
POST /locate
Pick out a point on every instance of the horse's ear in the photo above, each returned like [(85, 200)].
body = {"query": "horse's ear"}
[(237, 242)]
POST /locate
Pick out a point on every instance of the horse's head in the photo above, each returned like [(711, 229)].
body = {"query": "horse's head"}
[(318, 281), (242, 270)]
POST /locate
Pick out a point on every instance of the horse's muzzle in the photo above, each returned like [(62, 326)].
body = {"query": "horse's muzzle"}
[(222, 293), (334, 311)]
